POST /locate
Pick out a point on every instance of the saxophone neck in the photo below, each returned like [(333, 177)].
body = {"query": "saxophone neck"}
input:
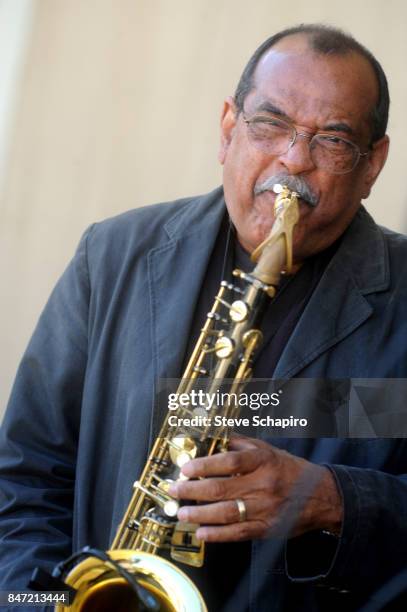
[(275, 253)]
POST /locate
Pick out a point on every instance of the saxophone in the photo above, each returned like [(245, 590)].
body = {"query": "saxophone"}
[(131, 575)]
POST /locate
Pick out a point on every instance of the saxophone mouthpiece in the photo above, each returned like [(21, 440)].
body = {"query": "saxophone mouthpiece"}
[(284, 196), (278, 188)]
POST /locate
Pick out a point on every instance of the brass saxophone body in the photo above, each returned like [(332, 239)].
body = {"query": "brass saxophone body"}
[(229, 338)]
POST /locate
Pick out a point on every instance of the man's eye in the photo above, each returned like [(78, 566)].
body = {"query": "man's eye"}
[(269, 122), (334, 143), (334, 139), (269, 128)]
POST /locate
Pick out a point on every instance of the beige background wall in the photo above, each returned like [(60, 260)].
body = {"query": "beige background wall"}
[(118, 107)]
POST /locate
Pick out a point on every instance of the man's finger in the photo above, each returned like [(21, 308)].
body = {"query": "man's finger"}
[(218, 513), (223, 464), (210, 490)]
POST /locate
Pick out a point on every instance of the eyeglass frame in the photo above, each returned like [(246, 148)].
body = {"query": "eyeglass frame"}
[(311, 137)]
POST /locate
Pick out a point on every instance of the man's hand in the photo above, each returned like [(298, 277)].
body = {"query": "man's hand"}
[(283, 494)]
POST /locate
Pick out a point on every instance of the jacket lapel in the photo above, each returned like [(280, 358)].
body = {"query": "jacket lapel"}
[(176, 270), (338, 305)]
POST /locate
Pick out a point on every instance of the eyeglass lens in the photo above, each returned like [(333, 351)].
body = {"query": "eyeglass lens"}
[(330, 153)]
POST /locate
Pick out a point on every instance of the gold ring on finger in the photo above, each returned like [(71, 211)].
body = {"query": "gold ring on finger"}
[(241, 506)]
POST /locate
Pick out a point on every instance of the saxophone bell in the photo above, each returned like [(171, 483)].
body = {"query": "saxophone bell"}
[(130, 581)]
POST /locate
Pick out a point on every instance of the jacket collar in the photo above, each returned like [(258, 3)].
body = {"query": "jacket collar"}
[(196, 216)]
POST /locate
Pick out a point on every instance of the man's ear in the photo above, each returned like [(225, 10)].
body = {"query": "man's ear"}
[(227, 125), (376, 160)]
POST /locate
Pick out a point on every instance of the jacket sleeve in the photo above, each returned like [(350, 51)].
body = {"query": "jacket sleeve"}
[(371, 551), (38, 439)]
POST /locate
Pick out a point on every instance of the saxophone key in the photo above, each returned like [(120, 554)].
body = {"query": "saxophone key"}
[(185, 547), (171, 507), (182, 450), (224, 347), (239, 311)]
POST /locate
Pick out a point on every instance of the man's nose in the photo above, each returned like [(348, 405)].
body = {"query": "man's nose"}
[(298, 157)]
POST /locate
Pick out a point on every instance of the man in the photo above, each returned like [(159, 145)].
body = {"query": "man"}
[(310, 111)]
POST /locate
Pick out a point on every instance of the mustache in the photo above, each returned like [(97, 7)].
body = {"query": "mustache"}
[(295, 183)]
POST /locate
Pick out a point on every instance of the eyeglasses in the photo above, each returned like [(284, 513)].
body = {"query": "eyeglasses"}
[(274, 136)]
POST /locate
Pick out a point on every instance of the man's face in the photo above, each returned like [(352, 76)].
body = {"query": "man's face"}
[(316, 93)]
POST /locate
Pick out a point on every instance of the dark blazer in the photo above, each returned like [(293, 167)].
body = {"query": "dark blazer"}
[(82, 413)]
